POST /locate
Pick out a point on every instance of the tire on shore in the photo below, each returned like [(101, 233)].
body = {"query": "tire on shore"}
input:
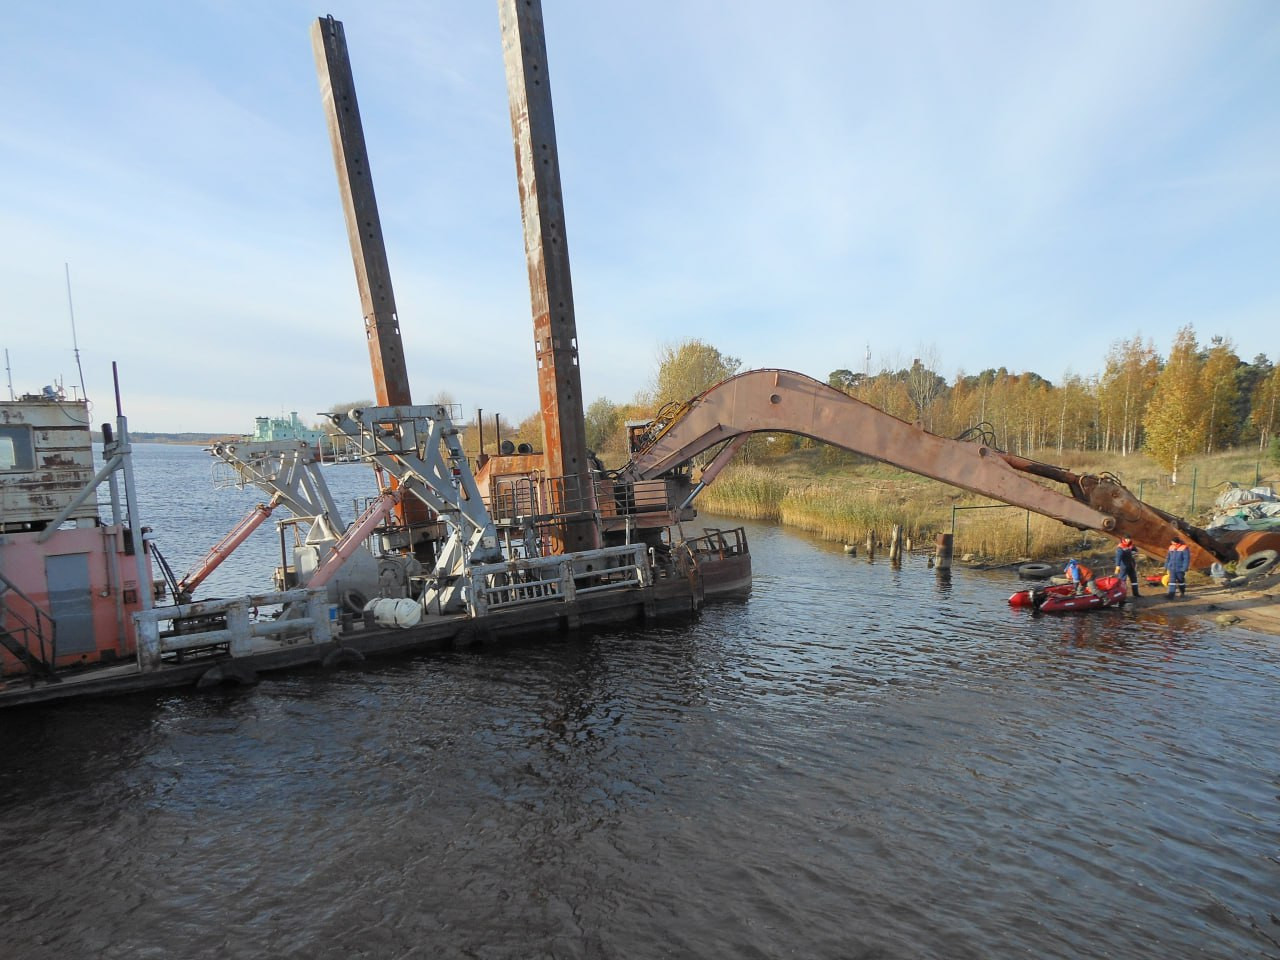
[(1258, 563), (1035, 571)]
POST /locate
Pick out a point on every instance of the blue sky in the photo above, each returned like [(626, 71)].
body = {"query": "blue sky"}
[(988, 184)]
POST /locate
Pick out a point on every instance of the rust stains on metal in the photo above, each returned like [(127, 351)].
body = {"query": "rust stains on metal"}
[(360, 206), (780, 400), (555, 334)]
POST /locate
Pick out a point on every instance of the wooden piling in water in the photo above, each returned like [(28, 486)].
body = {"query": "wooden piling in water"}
[(943, 551), (895, 544)]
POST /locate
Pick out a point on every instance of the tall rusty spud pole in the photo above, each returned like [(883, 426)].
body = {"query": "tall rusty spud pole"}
[(555, 333), (368, 249), (364, 227)]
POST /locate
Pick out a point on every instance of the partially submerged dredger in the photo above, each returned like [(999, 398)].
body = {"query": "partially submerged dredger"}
[(528, 544)]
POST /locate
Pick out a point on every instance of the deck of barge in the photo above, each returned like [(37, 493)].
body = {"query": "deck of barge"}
[(359, 638)]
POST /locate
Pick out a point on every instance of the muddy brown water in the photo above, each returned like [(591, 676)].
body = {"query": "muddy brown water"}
[(857, 762)]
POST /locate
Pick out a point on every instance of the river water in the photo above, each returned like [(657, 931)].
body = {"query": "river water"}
[(859, 761)]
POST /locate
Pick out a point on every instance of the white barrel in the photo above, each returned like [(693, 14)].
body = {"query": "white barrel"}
[(402, 613)]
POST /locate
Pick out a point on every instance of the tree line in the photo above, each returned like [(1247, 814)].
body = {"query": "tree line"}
[(1199, 399)]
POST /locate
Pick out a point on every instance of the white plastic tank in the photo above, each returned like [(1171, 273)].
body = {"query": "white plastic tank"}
[(402, 613)]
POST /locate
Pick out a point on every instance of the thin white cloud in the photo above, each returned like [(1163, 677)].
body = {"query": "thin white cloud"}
[(788, 185)]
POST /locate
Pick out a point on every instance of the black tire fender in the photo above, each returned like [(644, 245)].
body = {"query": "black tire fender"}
[(227, 674), (1035, 571), (1257, 563), (342, 655)]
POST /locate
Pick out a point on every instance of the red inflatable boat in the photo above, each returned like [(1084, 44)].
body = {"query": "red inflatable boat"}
[(1062, 598)]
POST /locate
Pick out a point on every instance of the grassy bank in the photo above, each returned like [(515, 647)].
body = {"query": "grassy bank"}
[(847, 503)]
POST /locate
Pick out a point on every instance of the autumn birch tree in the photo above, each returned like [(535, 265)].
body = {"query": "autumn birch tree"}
[(687, 369), (1175, 421), (1124, 392), (1265, 409), (1218, 384)]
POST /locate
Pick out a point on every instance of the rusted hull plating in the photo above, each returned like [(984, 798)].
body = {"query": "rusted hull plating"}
[(207, 660)]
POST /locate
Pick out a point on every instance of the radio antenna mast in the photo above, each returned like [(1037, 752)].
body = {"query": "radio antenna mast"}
[(75, 346), (9, 373)]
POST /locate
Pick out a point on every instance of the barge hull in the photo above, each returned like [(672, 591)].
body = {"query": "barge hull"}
[(664, 600)]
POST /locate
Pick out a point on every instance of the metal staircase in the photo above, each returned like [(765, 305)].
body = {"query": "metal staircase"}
[(29, 638)]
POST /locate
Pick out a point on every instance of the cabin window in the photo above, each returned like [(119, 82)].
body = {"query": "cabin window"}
[(17, 450)]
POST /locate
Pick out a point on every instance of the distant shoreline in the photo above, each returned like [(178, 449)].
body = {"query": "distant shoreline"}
[(188, 439)]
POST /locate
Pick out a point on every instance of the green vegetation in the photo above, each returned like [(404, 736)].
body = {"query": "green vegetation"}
[(1173, 430), (1199, 400), (848, 503), (685, 370)]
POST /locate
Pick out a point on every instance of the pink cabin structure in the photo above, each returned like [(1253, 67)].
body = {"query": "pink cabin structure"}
[(69, 581)]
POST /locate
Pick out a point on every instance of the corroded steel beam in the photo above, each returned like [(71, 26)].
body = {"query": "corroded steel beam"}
[(364, 227), (782, 401), (524, 50), (763, 401)]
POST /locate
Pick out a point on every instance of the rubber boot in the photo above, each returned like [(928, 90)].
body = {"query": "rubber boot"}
[(1182, 589), (1134, 588)]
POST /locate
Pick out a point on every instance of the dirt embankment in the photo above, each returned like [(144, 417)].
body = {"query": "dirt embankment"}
[(1253, 606)]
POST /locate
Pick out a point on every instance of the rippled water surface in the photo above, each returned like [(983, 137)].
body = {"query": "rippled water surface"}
[(857, 762)]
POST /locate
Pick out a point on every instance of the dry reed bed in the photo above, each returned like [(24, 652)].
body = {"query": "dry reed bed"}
[(848, 505)]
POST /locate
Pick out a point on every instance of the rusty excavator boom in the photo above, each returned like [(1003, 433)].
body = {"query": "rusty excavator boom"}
[(781, 401)]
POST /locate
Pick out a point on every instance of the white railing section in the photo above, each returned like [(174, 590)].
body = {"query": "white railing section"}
[(497, 586), (241, 630), (493, 586)]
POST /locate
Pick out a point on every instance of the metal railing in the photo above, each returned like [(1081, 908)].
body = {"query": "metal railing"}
[(719, 544), (540, 499), (643, 496), (32, 639), (496, 586), (239, 630), (544, 503)]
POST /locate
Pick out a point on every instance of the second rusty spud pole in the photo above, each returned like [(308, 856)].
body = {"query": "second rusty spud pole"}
[(555, 333)]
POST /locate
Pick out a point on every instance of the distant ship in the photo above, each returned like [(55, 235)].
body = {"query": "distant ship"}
[(328, 447)]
